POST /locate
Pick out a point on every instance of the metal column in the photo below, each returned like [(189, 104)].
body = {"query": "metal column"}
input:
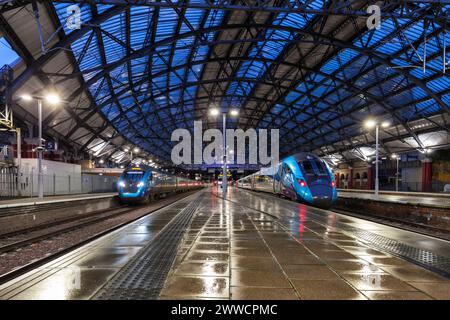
[(40, 149), (376, 160), (224, 179)]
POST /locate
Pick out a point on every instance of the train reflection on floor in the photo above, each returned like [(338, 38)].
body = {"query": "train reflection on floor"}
[(253, 246)]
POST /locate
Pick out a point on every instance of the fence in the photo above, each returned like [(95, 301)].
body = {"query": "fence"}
[(436, 187), (6, 154), (95, 183), (12, 185)]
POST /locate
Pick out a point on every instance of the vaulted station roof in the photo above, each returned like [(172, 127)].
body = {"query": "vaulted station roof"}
[(138, 70)]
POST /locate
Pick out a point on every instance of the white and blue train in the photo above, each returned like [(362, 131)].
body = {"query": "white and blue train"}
[(302, 177), (141, 183)]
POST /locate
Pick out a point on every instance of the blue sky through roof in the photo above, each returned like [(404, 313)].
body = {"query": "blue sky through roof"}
[(7, 53), (337, 83)]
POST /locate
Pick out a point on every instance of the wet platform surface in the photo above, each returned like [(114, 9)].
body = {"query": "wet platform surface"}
[(413, 198), (10, 203), (254, 246)]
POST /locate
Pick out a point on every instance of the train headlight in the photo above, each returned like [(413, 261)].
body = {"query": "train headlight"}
[(121, 184), (140, 184), (302, 182)]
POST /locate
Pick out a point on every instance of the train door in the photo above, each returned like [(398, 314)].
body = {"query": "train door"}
[(288, 182), (277, 179), (150, 179)]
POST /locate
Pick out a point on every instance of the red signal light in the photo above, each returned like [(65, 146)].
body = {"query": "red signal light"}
[(333, 184)]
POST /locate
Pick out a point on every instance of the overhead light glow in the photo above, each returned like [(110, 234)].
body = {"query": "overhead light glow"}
[(26, 97), (52, 98), (385, 124), (136, 150), (214, 112), (234, 112), (370, 123)]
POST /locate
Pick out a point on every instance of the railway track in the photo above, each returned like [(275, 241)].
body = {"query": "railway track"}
[(36, 208), (15, 240), (25, 250)]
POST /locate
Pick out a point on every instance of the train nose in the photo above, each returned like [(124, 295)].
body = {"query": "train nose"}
[(322, 195)]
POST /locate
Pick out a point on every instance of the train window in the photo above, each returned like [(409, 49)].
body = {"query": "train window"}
[(307, 167), (287, 170), (133, 176), (320, 166), (313, 166)]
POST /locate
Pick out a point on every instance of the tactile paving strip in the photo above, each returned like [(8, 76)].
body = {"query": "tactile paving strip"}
[(424, 258), (143, 276)]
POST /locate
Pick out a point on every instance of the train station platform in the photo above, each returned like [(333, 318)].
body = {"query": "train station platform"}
[(248, 246), (418, 211), (32, 201), (441, 200)]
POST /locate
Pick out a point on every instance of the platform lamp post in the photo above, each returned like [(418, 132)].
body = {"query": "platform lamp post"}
[(134, 151), (53, 99), (397, 158), (233, 113), (370, 124)]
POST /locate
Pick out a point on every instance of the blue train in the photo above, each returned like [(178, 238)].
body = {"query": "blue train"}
[(141, 183), (302, 177)]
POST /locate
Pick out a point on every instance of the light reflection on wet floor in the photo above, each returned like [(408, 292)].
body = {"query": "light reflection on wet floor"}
[(429, 199), (234, 252), (293, 257)]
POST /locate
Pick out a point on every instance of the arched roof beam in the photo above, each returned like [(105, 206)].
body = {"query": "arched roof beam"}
[(38, 64)]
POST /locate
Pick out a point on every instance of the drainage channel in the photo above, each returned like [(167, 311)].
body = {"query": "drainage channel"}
[(143, 277)]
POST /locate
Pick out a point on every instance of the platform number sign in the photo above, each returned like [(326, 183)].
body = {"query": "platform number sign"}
[(50, 145)]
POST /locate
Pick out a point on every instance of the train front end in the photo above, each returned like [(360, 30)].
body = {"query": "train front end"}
[(316, 183), (133, 184)]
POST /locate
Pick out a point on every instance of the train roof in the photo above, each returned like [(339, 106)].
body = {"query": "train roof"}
[(145, 168), (302, 156), (136, 166)]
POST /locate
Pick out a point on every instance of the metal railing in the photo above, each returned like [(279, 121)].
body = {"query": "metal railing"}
[(13, 185), (416, 186)]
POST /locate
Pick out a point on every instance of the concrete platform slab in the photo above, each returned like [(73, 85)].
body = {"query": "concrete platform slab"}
[(232, 250)]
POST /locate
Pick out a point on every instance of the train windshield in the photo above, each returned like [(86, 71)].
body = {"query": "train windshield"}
[(313, 166), (133, 176)]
